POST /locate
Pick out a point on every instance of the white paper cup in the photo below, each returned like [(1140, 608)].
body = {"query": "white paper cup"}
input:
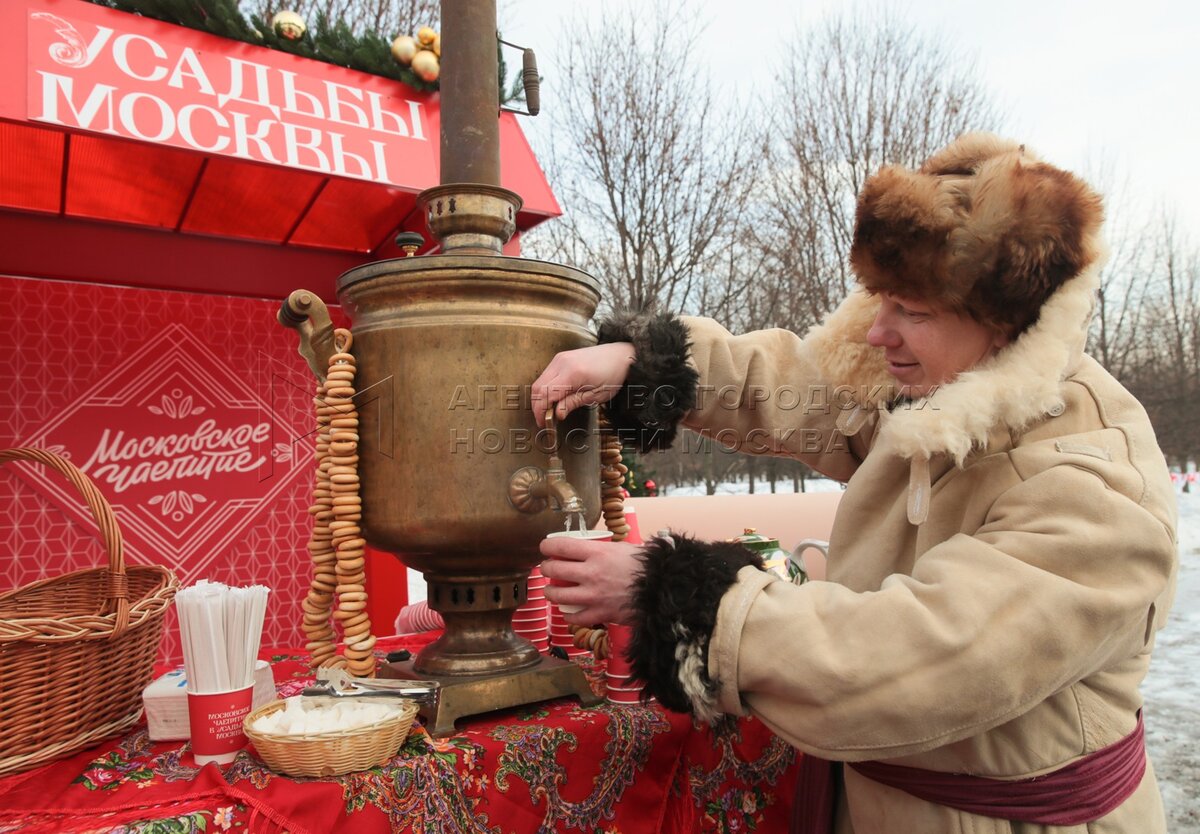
[(587, 535)]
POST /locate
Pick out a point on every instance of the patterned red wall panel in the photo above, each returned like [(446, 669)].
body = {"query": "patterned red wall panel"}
[(191, 412)]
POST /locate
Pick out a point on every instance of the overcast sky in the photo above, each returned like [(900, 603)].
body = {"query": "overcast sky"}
[(1080, 82)]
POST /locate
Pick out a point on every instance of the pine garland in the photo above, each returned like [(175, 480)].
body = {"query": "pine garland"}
[(332, 43)]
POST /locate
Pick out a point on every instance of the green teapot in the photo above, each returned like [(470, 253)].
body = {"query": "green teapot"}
[(778, 560)]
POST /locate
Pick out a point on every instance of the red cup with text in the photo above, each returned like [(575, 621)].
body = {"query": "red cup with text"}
[(215, 720)]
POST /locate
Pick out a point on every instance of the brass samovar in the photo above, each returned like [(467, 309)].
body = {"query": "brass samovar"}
[(455, 477)]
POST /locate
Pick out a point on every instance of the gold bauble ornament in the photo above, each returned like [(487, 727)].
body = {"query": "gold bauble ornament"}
[(289, 25), (426, 35), (426, 65), (404, 48)]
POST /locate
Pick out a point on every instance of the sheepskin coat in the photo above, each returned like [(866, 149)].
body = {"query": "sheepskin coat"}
[(1001, 560)]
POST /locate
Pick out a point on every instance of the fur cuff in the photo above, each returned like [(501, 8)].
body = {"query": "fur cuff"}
[(675, 602), (661, 387)]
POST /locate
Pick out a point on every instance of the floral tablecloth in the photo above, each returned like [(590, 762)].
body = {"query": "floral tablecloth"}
[(550, 767)]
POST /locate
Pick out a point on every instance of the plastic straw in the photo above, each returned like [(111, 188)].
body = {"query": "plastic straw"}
[(221, 629)]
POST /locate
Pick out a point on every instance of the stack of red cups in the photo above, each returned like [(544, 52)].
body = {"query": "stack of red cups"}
[(560, 633), (530, 620), (622, 688), (418, 617)]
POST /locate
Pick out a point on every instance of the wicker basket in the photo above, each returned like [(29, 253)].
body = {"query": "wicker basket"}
[(332, 753), (77, 650)]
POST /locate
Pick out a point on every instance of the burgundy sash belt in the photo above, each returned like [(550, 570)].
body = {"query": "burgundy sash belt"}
[(1083, 791)]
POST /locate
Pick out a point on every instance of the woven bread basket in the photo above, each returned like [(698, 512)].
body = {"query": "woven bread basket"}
[(331, 753), (76, 650)]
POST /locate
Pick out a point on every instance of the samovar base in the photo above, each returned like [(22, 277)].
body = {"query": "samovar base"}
[(460, 696)]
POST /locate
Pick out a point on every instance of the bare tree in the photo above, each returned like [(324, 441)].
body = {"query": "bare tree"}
[(1165, 369), (653, 177), (857, 92), (385, 17), (1126, 293)]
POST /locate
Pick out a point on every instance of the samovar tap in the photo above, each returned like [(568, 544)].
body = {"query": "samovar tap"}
[(531, 489)]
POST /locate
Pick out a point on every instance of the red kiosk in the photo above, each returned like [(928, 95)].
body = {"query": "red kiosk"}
[(161, 189)]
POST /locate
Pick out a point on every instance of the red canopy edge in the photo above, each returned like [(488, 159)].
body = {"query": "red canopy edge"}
[(136, 152)]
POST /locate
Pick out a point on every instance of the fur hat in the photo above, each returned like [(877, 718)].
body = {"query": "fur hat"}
[(982, 228)]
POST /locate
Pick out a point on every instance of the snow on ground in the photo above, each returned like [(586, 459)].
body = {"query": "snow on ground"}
[(760, 486), (1172, 711)]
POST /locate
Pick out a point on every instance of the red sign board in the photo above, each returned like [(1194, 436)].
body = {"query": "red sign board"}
[(186, 450), (191, 413), (122, 75)]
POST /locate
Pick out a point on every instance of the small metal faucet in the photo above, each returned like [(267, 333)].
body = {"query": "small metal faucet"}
[(555, 487), (531, 489)]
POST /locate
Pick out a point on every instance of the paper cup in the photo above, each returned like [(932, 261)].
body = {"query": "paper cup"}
[(532, 633), (619, 637), (635, 688), (215, 723), (587, 535), (622, 697)]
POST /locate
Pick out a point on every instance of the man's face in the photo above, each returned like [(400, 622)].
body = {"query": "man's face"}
[(926, 347)]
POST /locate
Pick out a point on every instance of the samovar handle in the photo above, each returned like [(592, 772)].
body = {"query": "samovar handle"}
[(307, 314), (552, 439)]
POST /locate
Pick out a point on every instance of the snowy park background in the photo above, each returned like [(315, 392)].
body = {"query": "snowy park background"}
[(1172, 710)]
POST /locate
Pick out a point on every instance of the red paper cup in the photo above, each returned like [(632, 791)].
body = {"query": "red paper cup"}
[(215, 721), (622, 697), (536, 581), (619, 637), (587, 535), (635, 689)]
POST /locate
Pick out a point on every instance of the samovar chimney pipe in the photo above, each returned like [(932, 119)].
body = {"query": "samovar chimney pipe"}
[(469, 213), (470, 105)]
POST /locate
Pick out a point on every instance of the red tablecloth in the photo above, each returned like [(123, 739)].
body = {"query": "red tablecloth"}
[(551, 767)]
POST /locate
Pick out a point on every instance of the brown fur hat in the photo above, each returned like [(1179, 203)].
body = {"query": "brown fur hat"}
[(982, 228)]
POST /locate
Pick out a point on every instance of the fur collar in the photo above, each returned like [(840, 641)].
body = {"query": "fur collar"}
[(1011, 390)]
